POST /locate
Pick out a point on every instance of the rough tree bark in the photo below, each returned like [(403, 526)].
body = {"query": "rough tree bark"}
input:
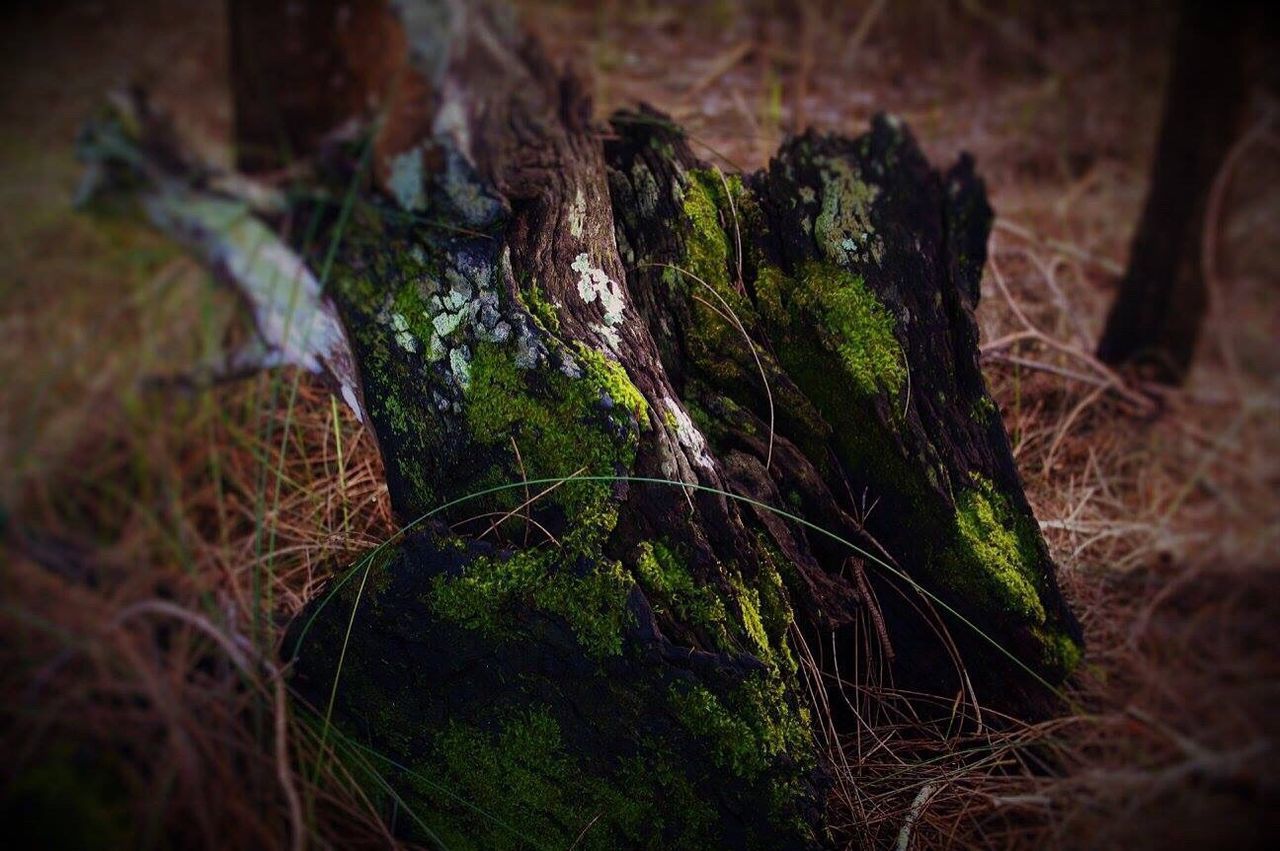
[(592, 364)]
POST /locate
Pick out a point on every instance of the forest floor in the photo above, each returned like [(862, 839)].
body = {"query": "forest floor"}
[(154, 543)]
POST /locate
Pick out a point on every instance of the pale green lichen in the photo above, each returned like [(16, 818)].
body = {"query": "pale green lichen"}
[(577, 214), (400, 325), (688, 435), (843, 226), (406, 180), (595, 284), (646, 188)]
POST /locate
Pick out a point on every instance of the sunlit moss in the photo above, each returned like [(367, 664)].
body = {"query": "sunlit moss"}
[(995, 557), (563, 426), (749, 729), (851, 322), (671, 587), (593, 603)]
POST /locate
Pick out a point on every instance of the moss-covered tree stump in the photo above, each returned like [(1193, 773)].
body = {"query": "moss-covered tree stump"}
[(653, 428)]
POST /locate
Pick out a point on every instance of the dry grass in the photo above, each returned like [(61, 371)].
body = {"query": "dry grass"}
[(156, 544)]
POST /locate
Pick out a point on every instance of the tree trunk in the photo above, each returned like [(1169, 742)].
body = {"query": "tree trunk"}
[(656, 429), (1157, 315)]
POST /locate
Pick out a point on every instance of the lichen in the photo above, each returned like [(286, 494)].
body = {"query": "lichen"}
[(577, 214), (843, 226), (688, 435), (646, 188), (406, 180), (595, 284)]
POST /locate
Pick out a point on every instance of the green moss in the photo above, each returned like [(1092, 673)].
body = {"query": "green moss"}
[(749, 730), (752, 624), (736, 622), (985, 410), (995, 554), (562, 427), (706, 242), (1062, 654), (852, 322), (541, 308), (523, 788), (610, 376), (775, 611), (594, 604), (671, 587), (728, 364)]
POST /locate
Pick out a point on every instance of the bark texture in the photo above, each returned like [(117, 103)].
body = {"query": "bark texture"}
[(594, 365)]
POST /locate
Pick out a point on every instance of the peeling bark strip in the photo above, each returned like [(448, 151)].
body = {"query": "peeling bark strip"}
[(570, 653), (130, 155)]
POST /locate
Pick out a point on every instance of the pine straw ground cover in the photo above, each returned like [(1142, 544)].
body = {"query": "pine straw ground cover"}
[(156, 540)]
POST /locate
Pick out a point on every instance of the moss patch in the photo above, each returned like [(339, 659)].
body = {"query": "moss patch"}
[(594, 603), (541, 308), (610, 377), (852, 322), (522, 788), (706, 241), (672, 588), (750, 729), (995, 554), (562, 426)]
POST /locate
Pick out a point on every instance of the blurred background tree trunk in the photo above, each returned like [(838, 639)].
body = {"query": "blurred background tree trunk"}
[(1158, 313)]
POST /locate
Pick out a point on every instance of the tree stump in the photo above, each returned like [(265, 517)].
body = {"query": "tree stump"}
[(655, 429)]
